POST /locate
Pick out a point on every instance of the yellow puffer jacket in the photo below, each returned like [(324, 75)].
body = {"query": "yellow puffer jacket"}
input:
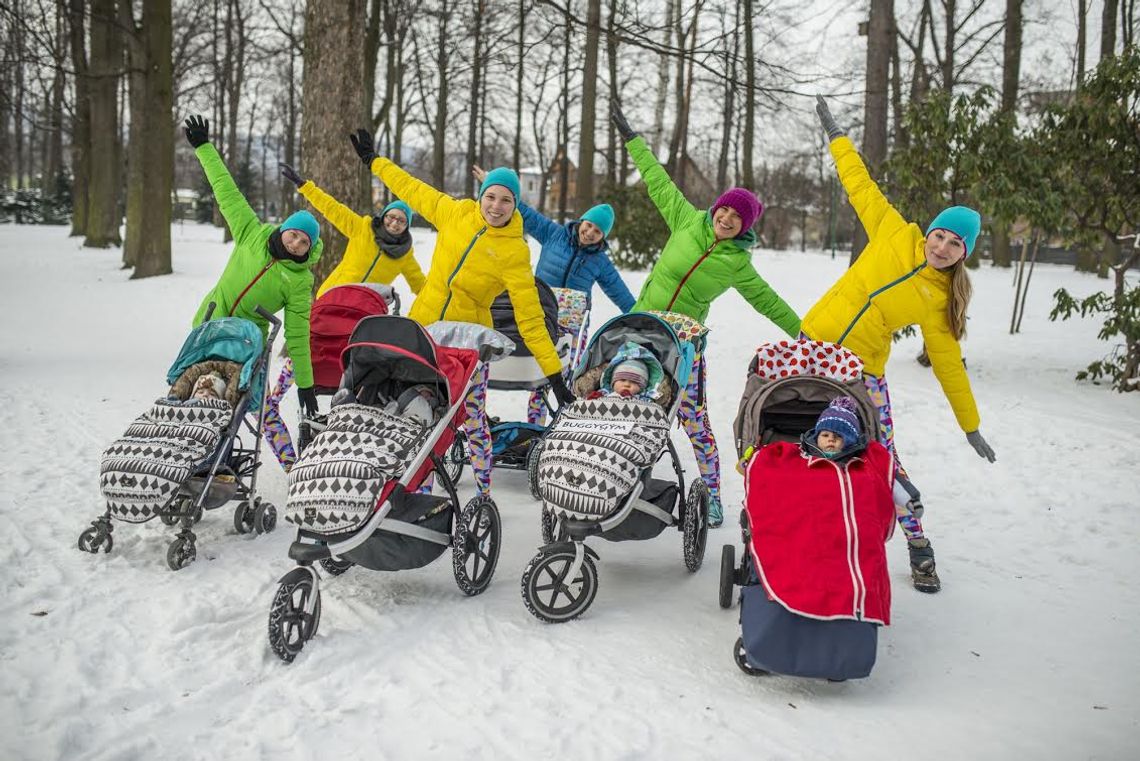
[(889, 287), (363, 262), (472, 264)]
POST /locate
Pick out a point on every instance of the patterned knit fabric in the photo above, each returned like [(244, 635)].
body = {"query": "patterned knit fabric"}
[(595, 453), (573, 314), (334, 485), (140, 472), (693, 414), (881, 398), (275, 431)]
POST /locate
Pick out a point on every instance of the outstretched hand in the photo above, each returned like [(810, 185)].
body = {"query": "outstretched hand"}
[(478, 172), (197, 131), (290, 174), (364, 146), (627, 133), (832, 129), (980, 446)]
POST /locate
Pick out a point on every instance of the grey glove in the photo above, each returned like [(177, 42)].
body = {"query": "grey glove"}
[(832, 129), (980, 446), (291, 175), (622, 125)]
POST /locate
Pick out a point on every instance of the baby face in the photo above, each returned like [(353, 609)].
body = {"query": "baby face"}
[(627, 387), (829, 441), (204, 388)]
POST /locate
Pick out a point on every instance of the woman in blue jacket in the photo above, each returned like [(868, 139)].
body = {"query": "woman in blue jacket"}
[(574, 255)]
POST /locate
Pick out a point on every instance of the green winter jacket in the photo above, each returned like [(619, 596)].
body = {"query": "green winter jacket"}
[(693, 269), (272, 283)]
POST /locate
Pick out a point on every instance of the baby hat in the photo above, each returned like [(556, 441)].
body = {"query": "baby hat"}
[(842, 418), (214, 380), (631, 370)]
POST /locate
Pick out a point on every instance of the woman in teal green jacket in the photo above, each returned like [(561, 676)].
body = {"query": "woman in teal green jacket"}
[(271, 267), (707, 253)]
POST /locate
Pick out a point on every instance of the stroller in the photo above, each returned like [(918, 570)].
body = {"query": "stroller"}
[(333, 318), (595, 472), (177, 460), (514, 443), (789, 385), (353, 492)]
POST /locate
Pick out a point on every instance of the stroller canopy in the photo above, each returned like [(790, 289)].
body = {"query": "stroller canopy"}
[(334, 316), (233, 339), (395, 349), (648, 331)]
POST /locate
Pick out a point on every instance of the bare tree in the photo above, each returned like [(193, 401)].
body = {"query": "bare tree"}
[(1108, 29), (1010, 79), (749, 137), (880, 31), (586, 137), (102, 187)]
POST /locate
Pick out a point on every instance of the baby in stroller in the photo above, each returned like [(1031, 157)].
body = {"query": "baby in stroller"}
[(633, 373), (418, 404)]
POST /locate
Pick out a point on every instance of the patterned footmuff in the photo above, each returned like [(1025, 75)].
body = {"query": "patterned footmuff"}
[(336, 481), (140, 472), (596, 451)]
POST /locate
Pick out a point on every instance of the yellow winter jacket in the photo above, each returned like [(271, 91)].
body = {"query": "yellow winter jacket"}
[(472, 264), (889, 287), (363, 262)]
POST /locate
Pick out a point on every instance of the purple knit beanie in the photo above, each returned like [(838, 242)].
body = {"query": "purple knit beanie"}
[(842, 418), (744, 202)]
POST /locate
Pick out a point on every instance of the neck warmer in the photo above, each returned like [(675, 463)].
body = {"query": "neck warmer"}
[(391, 245), (278, 251)]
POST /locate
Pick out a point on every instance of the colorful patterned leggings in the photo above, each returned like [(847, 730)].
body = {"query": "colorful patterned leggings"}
[(478, 433), (881, 398), (275, 431), (536, 409), (694, 418)]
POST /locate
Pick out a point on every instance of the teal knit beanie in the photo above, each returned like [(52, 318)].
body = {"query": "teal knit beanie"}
[(602, 216), (501, 176), (960, 220), (305, 222), (399, 206)]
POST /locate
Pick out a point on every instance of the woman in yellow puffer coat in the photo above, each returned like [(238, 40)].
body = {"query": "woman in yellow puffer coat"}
[(479, 253), (901, 278)]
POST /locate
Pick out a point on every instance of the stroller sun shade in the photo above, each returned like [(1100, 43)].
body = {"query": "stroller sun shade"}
[(227, 338), (334, 317), (385, 349), (650, 331)]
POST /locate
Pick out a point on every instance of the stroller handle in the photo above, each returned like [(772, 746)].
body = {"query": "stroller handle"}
[(210, 311), (272, 319)]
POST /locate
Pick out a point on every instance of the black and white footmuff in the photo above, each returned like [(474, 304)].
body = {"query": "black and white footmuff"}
[(595, 468), (354, 493), (184, 454)]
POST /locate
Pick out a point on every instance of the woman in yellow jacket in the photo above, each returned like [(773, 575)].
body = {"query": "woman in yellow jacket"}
[(902, 277), (479, 253)]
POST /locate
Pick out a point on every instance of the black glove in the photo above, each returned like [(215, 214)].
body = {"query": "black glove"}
[(622, 125), (308, 399), (832, 129), (561, 392), (291, 175), (364, 146), (197, 131)]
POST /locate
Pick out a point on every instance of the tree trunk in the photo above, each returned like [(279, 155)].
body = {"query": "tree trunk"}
[(749, 136), (151, 154), (516, 147), (53, 143), (103, 186), (663, 78), (564, 137), (16, 34), (1010, 79), (731, 53), (333, 105), (586, 138), (875, 105), (951, 29), (612, 146), (81, 119), (372, 54), (1108, 29), (479, 6), (439, 135), (1082, 36)]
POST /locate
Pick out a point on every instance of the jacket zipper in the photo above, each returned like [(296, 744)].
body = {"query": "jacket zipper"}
[(681, 284), (251, 284), (455, 271), (851, 527), (867, 306), (372, 266), (569, 267)]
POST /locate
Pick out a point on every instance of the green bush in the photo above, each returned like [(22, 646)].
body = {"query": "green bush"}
[(639, 231)]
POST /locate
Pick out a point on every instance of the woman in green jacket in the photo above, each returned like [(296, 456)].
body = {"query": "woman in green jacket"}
[(270, 266), (707, 253)]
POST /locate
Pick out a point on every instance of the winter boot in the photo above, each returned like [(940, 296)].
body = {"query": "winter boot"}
[(716, 513), (922, 572)]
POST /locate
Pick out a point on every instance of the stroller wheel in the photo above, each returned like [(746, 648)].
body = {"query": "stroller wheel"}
[(96, 538), (532, 468), (264, 517), (289, 626), (727, 575), (549, 526), (335, 567), (549, 595), (243, 517), (740, 655), (454, 458), (696, 525), (169, 518), (478, 538), (181, 553)]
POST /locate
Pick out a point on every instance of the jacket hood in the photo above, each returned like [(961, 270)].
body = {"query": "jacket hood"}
[(809, 447)]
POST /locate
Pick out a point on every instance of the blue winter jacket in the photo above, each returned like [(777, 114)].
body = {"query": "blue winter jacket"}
[(562, 263)]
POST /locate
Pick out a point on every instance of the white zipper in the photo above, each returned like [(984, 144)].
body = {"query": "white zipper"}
[(859, 588)]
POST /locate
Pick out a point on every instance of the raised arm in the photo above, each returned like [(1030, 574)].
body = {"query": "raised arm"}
[(536, 225), (239, 215), (666, 196), (344, 219), (429, 203)]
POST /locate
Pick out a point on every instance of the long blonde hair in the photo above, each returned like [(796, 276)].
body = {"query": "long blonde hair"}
[(960, 292)]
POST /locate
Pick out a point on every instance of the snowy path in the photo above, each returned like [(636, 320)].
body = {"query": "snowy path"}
[(1029, 651)]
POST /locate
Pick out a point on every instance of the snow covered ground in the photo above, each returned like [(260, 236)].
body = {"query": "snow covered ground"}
[(1030, 650)]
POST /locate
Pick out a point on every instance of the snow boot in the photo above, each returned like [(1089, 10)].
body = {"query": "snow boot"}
[(716, 513), (922, 572)]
